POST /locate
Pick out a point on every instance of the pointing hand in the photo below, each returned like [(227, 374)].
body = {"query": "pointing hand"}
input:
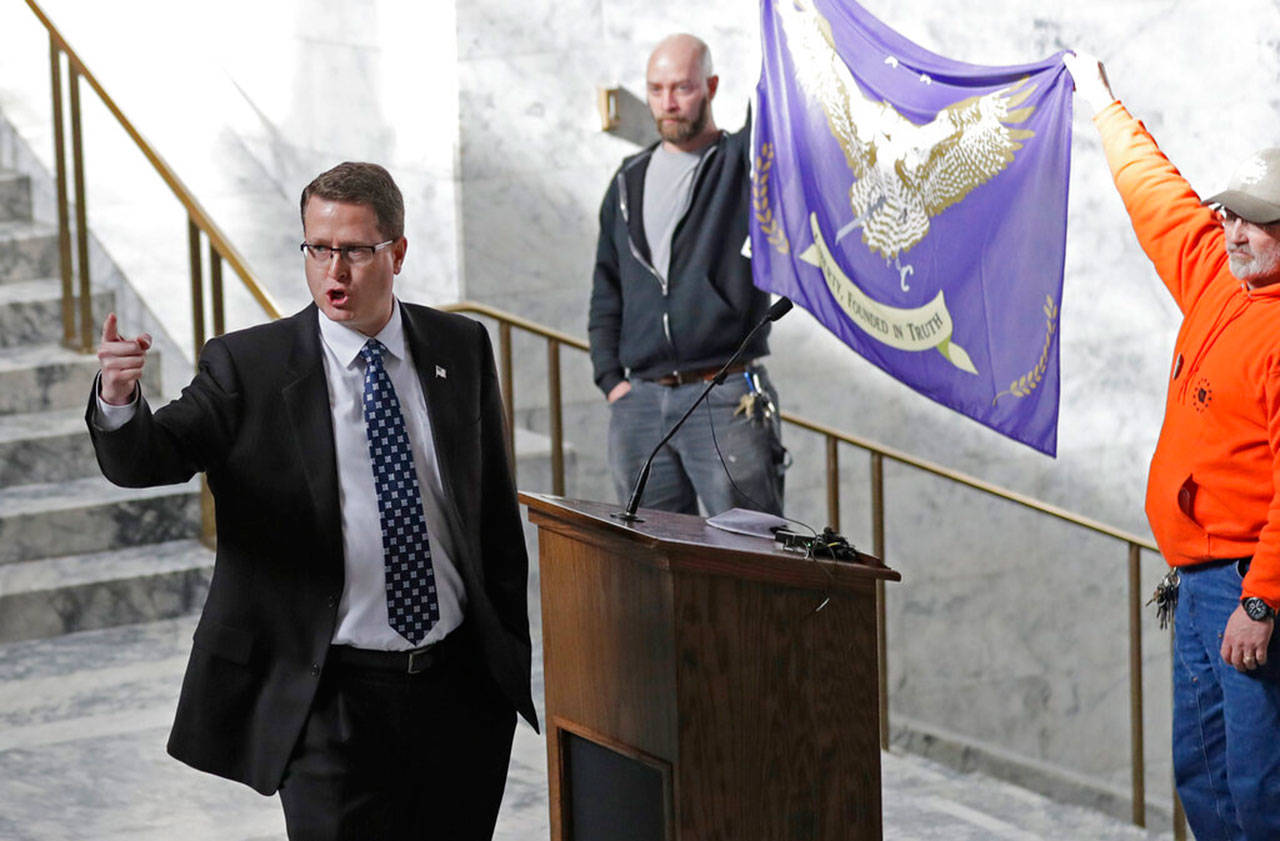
[(121, 361)]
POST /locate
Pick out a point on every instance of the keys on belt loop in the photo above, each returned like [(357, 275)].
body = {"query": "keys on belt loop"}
[(1165, 598), (755, 405)]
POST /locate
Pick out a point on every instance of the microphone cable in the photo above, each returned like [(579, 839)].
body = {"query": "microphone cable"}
[(808, 555)]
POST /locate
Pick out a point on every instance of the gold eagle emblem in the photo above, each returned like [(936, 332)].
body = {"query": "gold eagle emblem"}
[(904, 174)]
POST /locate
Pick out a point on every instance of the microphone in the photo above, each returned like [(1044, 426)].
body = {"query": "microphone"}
[(780, 308)]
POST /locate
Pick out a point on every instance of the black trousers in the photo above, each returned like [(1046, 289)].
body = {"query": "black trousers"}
[(392, 755)]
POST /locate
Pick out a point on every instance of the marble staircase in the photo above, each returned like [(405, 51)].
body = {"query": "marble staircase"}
[(76, 553)]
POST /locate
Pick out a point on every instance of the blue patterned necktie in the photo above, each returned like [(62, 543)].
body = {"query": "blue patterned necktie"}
[(412, 606)]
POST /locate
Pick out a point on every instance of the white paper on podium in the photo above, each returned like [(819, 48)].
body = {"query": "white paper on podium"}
[(748, 522)]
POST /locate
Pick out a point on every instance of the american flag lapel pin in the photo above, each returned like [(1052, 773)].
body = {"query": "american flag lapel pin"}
[(442, 373)]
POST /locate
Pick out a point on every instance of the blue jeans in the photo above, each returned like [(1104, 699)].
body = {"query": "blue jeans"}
[(1226, 724), (687, 469)]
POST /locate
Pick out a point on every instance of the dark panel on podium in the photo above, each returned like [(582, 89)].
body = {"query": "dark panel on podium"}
[(611, 796)]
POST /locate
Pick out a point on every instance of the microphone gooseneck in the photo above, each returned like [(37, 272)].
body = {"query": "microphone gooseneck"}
[(780, 308)]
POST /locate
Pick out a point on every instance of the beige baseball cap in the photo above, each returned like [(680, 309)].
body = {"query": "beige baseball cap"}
[(1253, 193)]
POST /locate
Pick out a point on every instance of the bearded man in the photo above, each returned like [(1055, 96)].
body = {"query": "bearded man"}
[(1213, 499), (672, 298)]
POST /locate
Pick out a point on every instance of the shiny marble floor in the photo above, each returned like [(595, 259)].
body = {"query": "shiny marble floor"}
[(83, 719)]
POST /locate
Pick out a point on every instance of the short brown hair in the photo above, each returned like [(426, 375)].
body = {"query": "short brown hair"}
[(360, 183)]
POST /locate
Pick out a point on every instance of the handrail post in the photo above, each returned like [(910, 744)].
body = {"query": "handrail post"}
[(215, 290), (208, 517), (1136, 743), (833, 483), (508, 391), (208, 520), (197, 287), (557, 418), (82, 221), (877, 548), (64, 213)]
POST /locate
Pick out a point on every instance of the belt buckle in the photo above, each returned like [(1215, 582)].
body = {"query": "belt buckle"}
[(420, 659)]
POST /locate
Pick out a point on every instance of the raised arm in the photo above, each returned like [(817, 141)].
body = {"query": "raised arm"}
[(136, 448), (1182, 238)]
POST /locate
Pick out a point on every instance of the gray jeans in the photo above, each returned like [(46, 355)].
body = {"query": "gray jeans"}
[(688, 469)]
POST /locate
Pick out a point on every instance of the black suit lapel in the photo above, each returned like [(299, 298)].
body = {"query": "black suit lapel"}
[(434, 366), (306, 397), (441, 372)]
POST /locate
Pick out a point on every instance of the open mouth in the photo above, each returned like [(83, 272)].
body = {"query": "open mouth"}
[(337, 297)]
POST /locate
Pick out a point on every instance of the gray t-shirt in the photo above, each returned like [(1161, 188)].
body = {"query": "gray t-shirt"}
[(668, 186)]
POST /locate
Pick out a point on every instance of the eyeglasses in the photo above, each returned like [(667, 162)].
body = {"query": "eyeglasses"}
[(1228, 218), (352, 255)]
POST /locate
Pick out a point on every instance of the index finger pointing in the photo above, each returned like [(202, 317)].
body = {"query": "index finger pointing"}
[(109, 331)]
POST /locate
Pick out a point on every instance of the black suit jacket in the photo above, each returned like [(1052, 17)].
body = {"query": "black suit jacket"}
[(256, 420)]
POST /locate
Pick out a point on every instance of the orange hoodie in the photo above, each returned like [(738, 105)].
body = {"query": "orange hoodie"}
[(1211, 492)]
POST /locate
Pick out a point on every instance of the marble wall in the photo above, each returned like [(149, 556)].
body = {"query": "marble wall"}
[(1007, 631), (329, 80)]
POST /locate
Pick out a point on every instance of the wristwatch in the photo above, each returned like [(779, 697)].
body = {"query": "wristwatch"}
[(1257, 609)]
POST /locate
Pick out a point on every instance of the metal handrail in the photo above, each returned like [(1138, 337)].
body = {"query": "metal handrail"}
[(78, 329), (879, 453), (220, 248), (516, 321), (519, 322), (970, 481)]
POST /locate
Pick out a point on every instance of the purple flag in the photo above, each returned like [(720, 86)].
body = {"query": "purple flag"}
[(917, 206)]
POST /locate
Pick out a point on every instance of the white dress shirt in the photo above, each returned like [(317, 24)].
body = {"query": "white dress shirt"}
[(362, 612)]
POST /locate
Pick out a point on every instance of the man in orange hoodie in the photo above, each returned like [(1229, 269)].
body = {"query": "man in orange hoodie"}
[(1212, 496)]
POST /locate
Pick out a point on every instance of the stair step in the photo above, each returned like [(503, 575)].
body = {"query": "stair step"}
[(53, 596), (45, 447), (28, 251), (92, 515), (126, 647), (76, 686), (48, 377), (31, 311), (15, 197)]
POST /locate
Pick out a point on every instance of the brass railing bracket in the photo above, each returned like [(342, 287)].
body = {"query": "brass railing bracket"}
[(607, 105)]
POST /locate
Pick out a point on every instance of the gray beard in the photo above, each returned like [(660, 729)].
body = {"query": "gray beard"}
[(1251, 270)]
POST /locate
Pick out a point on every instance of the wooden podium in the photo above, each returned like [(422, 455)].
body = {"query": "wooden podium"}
[(694, 689)]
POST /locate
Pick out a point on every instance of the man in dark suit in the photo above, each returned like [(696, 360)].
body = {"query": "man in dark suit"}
[(365, 643)]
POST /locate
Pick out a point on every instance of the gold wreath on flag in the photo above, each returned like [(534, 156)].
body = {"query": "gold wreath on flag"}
[(1027, 383), (760, 199)]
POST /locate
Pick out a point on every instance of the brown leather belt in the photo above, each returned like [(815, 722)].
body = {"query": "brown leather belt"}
[(698, 375)]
